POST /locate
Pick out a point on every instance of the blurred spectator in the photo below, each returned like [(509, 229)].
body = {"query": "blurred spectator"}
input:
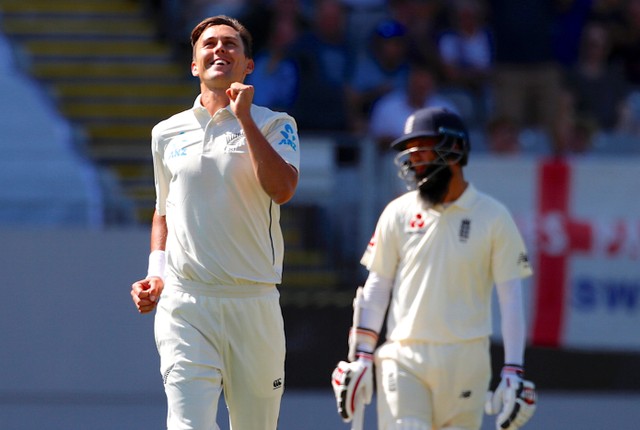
[(628, 50), (572, 15), (597, 87), (422, 19), (629, 118), (200, 9), (582, 135), (324, 60), (466, 48), (379, 70), (391, 111), (362, 18), (260, 14), (503, 136), (275, 76), (610, 14), (325, 42), (572, 135), (526, 80), (194, 11), (625, 136)]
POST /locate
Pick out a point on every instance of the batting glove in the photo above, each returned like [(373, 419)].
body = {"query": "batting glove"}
[(351, 381), (514, 400)]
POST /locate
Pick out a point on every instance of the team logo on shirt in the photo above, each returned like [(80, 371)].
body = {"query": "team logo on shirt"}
[(372, 241), (523, 260), (465, 227), (417, 223), (233, 141), (179, 144), (288, 137), (175, 150), (277, 383)]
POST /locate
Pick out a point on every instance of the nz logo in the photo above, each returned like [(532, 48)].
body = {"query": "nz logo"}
[(289, 137), (277, 383)]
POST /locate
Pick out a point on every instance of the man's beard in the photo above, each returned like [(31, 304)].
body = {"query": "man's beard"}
[(435, 188)]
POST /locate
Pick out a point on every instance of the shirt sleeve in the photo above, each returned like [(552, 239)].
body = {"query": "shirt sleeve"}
[(381, 255), (160, 173), (283, 136), (510, 259)]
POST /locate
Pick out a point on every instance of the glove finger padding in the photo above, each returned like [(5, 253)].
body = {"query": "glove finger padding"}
[(350, 381), (519, 404), (493, 401)]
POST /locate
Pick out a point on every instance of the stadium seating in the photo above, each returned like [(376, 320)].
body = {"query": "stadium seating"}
[(46, 181)]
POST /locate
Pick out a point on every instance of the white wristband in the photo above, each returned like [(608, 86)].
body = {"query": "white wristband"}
[(157, 263)]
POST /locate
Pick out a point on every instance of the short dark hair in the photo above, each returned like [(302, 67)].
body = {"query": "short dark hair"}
[(247, 40)]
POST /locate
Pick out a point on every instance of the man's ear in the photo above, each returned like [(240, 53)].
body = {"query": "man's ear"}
[(194, 68), (250, 67)]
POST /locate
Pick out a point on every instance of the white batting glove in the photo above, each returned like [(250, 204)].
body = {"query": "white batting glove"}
[(514, 400), (351, 381)]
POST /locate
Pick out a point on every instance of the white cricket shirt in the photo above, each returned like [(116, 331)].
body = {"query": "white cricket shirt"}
[(223, 229), (444, 263)]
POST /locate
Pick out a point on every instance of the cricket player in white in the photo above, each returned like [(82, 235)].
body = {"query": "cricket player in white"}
[(434, 258), (222, 169)]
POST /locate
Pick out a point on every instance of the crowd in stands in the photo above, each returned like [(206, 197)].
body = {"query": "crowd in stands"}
[(559, 77)]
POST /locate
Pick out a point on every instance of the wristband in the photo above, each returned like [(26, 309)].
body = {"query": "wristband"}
[(366, 339), (364, 355), (157, 263), (514, 369)]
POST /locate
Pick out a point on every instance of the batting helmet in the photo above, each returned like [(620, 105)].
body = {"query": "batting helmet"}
[(452, 145)]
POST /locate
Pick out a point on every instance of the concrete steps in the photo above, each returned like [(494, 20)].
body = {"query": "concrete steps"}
[(108, 73)]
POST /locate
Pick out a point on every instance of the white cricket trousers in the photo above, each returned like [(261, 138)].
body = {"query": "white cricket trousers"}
[(443, 385), (221, 338)]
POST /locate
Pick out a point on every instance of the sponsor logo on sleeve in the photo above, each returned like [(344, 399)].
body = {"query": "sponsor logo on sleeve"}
[(288, 137)]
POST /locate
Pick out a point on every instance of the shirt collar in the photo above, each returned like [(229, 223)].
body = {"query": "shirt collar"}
[(465, 201), (202, 114), (199, 109), (468, 197)]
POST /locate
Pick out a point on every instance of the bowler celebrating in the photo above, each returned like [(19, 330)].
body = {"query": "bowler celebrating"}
[(222, 169)]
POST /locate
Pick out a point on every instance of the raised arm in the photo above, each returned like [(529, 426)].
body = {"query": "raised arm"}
[(278, 178)]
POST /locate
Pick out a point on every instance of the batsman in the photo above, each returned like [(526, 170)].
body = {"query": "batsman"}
[(435, 256)]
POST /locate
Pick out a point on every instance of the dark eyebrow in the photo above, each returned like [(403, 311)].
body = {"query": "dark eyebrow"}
[(223, 38)]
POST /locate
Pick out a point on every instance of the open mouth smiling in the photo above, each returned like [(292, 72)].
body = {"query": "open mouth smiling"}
[(219, 62)]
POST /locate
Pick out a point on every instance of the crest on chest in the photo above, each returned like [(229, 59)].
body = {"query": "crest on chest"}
[(420, 222), (233, 141)]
